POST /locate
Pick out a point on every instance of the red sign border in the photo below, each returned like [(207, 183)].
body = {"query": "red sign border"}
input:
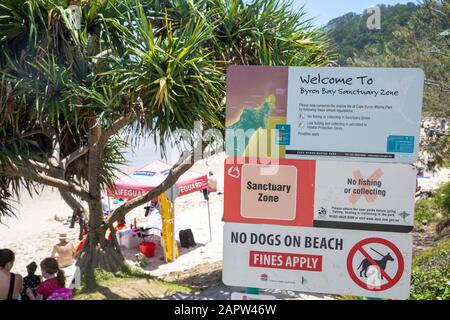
[(393, 247)]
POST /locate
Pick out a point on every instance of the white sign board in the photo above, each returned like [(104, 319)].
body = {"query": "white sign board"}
[(369, 196), (248, 296), (321, 260), (352, 114), (368, 114)]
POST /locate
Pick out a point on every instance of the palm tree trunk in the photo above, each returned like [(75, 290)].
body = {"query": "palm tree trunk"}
[(98, 251)]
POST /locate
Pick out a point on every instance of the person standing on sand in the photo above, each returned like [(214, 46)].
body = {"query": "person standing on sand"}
[(212, 185), (105, 206), (10, 284), (63, 252)]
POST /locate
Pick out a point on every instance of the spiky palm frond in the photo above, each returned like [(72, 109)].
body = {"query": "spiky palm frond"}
[(161, 62)]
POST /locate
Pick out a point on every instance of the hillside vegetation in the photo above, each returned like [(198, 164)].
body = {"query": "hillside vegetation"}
[(352, 37)]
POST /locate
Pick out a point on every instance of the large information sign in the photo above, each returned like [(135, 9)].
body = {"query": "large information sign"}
[(347, 262), (359, 114), (319, 187)]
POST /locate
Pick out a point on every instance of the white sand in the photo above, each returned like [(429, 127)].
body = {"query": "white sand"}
[(432, 181)]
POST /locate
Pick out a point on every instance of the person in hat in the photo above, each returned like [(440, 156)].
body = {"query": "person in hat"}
[(63, 252)]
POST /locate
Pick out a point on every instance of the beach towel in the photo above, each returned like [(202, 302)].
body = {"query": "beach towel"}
[(61, 294)]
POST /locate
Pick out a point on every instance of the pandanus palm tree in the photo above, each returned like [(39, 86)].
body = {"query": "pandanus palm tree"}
[(80, 79)]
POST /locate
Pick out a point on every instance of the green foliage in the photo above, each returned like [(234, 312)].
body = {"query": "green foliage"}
[(443, 198), (426, 209), (97, 284), (416, 41), (161, 63), (431, 274), (352, 37), (435, 208)]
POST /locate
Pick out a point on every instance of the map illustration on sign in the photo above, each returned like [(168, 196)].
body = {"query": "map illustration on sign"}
[(324, 113)]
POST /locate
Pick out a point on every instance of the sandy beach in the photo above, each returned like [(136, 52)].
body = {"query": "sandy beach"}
[(34, 231)]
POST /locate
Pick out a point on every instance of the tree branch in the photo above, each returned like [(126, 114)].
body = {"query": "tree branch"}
[(29, 174), (56, 149), (114, 129), (41, 166), (74, 156), (183, 165)]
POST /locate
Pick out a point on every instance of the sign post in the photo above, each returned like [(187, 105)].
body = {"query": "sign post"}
[(172, 194)]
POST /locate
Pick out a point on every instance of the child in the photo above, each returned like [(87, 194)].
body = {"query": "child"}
[(54, 279), (30, 281)]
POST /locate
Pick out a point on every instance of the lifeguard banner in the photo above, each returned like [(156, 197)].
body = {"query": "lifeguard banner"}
[(359, 114), (331, 194), (150, 176)]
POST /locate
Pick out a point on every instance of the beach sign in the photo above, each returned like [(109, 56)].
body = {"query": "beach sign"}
[(351, 114), (330, 194), (250, 296), (319, 188), (320, 260)]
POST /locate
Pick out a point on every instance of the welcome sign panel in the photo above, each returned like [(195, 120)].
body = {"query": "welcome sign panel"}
[(330, 194), (359, 114), (321, 260)]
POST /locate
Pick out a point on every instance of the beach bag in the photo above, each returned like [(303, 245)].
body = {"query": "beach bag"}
[(187, 238), (184, 241), (61, 294), (190, 236)]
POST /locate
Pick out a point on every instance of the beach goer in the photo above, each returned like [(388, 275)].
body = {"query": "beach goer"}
[(54, 279), (119, 225), (10, 283), (212, 185), (153, 217), (31, 280), (153, 205), (105, 206), (64, 251), (80, 245)]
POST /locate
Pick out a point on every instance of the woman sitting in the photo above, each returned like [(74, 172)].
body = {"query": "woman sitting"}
[(10, 283), (54, 279)]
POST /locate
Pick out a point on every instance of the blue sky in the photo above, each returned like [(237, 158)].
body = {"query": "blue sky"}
[(325, 10)]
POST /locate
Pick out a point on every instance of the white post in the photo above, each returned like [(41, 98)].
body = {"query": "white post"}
[(174, 243), (209, 220)]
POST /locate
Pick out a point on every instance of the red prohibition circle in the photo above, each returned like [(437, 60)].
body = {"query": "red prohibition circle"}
[(390, 245)]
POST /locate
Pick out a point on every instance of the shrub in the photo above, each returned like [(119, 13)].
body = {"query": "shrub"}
[(431, 273)]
